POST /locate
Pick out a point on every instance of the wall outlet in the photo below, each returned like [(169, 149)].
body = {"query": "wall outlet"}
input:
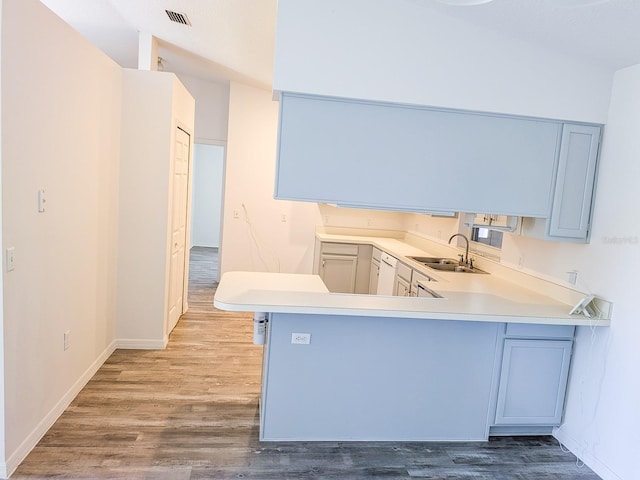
[(283, 218), (66, 340), (572, 277), (301, 338), (236, 214)]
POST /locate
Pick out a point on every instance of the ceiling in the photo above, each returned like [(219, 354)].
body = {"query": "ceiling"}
[(234, 39)]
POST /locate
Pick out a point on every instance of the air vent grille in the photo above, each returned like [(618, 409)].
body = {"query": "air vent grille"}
[(178, 17)]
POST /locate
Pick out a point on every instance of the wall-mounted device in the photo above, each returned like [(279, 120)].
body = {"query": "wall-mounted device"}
[(586, 307)]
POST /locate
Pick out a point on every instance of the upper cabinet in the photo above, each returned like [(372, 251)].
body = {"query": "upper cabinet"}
[(417, 159), (407, 158), (571, 212), (574, 188)]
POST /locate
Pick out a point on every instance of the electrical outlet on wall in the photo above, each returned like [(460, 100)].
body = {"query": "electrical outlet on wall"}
[(301, 338)]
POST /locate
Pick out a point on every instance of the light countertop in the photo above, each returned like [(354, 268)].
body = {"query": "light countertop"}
[(489, 300)]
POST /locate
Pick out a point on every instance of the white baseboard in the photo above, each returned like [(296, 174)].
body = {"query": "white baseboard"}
[(16, 458), (137, 344), (588, 458)]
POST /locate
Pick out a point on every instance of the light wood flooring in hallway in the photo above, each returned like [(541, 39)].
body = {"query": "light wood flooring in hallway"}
[(191, 412)]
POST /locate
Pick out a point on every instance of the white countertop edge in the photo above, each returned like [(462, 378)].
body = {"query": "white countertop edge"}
[(424, 315)]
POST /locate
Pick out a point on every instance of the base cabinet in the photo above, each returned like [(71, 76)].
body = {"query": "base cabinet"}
[(402, 282), (374, 272), (533, 380), (339, 272), (344, 267), (448, 372)]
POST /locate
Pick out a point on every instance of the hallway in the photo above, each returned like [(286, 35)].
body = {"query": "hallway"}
[(191, 412)]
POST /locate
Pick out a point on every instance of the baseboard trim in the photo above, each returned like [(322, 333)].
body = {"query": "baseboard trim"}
[(508, 431), (16, 458), (588, 458), (138, 344)]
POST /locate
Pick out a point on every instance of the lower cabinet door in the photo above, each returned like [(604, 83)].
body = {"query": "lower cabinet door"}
[(339, 272), (533, 382), (402, 287), (374, 273)]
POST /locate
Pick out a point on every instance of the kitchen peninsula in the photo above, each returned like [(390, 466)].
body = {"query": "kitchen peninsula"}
[(488, 358)]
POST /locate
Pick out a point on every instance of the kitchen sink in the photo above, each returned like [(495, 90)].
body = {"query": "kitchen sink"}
[(446, 265), (438, 260)]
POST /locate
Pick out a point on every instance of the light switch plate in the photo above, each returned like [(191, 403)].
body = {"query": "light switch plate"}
[(41, 200), (10, 258)]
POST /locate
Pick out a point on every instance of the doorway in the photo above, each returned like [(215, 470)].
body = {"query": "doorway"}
[(206, 207)]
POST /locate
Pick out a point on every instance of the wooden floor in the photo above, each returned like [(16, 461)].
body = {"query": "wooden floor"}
[(191, 412)]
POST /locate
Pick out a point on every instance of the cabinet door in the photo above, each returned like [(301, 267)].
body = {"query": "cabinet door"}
[(533, 381), (402, 287), (339, 272), (373, 277), (571, 210), (326, 144)]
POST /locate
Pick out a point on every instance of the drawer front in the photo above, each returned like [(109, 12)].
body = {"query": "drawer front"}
[(529, 330), (404, 272), (340, 248)]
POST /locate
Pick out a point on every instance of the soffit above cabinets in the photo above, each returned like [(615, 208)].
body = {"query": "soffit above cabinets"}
[(604, 32), (232, 39)]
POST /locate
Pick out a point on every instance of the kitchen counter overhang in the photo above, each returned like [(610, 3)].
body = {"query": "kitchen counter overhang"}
[(492, 300)]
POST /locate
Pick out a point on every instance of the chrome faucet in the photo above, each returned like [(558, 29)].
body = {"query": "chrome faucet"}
[(465, 259)]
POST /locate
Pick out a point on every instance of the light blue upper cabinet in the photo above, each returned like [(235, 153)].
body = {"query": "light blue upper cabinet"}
[(408, 158), (571, 211)]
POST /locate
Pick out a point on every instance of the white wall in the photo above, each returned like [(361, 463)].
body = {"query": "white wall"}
[(257, 240), (602, 423), (333, 216), (3, 465), (436, 228), (154, 104), (397, 50), (212, 109), (61, 133), (206, 203)]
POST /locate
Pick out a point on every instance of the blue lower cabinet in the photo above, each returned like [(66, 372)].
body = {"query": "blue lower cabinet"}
[(533, 381)]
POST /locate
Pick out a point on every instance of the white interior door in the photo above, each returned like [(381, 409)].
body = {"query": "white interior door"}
[(178, 228)]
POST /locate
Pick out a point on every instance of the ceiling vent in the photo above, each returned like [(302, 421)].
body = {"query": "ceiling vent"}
[(178, 17)]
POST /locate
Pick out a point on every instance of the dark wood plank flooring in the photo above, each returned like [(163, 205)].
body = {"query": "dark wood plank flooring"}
[(191, 412)]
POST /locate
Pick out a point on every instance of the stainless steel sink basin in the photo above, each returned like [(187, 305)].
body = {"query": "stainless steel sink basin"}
[(446, 265), (439, 260), (454, 268)]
